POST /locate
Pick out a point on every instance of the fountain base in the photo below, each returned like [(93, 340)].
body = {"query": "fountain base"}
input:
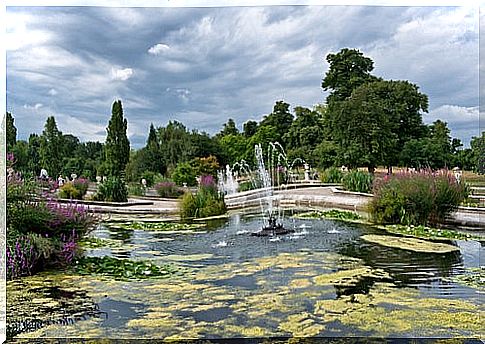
[(273, 229)]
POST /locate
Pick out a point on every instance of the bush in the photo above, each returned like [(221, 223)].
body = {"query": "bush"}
[(40, 232), (206, 202), (184, 173), (136, 189), (357, 181), (331, 175), (74, 190), (416, 199), (168, 189), (69, 191), (112, 190)]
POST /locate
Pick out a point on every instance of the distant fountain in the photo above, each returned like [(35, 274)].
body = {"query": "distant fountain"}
[(227, 183)]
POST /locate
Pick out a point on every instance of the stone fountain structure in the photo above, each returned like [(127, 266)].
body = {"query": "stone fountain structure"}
[(268, 174)]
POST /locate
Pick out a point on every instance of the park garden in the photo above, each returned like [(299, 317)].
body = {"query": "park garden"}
[(399, 266)]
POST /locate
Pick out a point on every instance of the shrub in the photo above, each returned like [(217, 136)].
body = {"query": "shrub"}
[(136, 189), (69, 191), (74, 190), (416, 199), (82, 185), (40, 232), (184, 173), (357, 181), (168, 189), (206, 202), (331, 175), (112, 190)]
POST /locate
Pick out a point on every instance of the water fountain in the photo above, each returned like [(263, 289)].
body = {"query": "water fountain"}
[(273, 172)]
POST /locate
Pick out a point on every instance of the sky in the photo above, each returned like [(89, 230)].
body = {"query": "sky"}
[(201, 66)]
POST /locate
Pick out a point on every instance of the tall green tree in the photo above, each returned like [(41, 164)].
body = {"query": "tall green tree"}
[(279, 120), (363, 128), (11, 131), (117, 146), (229, 128), (51, 152), (478, 148), (33, 152), (349, 69), (154, 159), (250, 128)]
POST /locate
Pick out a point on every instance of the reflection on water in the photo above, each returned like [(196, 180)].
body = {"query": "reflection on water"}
[(321, 280)]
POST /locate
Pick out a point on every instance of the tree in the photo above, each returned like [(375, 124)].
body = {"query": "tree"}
[(11, 131), (117, 147), (51, 148), (250, 128), (229, 128), (154, 159), (280, 120), (478, 147), (175, 143), (363, 129), (33, 153), (348, 70)]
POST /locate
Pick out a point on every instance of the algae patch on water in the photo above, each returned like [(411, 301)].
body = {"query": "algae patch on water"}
[(35, 302), (410, 244)]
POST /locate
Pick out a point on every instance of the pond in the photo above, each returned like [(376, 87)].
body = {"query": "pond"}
[(322, 280)]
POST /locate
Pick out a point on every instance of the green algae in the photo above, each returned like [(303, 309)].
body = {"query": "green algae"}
[(350, 277), (410, 244), (302, 325), (472, 277), (303, 306), (159, 226)]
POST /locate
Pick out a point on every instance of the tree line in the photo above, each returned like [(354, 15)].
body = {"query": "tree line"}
[(366, 121)]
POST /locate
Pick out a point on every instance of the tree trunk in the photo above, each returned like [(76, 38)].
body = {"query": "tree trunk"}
[(371, 169)]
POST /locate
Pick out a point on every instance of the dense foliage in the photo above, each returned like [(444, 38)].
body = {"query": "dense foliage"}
[(357, 181), (417, 198), (40, 231), (207, 201)]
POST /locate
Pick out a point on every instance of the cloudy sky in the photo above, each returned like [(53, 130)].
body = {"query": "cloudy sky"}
[(204, 65)]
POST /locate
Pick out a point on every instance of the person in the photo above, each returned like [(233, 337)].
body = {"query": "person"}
[(60, 181)]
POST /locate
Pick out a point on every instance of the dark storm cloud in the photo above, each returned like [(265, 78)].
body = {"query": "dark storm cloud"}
[(203, 65)]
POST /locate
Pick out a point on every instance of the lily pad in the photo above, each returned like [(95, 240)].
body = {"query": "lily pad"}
[(329, 214), (429, 233), (410, 244), (121, 268), (161, 226)]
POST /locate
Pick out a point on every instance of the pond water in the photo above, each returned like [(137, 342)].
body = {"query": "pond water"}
[(322, 280)]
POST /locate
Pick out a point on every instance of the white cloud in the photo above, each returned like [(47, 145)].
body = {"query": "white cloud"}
[(19, 35), (463, 121), (33, 107), (52, 92), (121, 74), (159, 48)]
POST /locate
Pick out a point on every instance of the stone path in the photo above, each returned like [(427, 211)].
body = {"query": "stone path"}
[(316, 196)]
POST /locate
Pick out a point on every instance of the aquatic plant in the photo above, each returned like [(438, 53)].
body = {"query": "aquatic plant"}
[(331, 175), (162, 226), (357, 181), (429, 232), (206, 202), (329, 214), (416, 198), (112, 190), (121, 268)]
